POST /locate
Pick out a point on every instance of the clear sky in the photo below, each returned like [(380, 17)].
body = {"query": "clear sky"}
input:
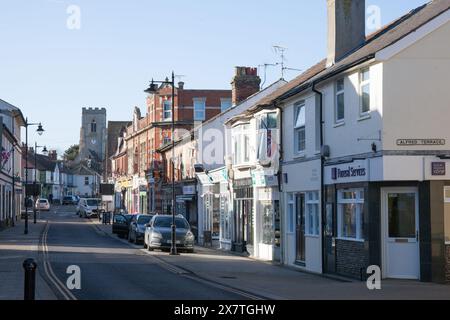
[(51, 71)]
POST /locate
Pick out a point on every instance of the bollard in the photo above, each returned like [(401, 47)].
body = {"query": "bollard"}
[(29, 266)]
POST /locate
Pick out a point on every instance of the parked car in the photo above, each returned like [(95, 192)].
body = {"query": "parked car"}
[(121, 224), (158, 234), (43, 205), (89, 207), (69, 200), (137, 227)]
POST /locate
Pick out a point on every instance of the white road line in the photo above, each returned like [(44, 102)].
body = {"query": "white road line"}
[(49, 270)]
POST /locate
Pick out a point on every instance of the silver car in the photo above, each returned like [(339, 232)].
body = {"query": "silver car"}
[(158, 234)]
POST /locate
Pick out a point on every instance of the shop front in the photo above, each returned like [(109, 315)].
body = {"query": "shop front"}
[(243, 224), (187, 206), (267, 215), (390, 212)]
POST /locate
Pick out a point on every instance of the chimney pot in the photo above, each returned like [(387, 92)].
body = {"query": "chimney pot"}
[(181, 85)]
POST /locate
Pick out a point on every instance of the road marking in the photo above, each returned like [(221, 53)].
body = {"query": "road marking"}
[(49, 270)]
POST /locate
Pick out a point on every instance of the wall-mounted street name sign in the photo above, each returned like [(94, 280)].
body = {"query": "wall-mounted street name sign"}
[(421, 142)]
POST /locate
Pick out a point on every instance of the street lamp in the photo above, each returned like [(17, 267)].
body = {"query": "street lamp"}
[(40, 131), (45, 152), (152, 89)]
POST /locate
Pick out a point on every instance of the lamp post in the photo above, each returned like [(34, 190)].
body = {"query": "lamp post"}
[(44, 151), (152, 90), (40, 130)]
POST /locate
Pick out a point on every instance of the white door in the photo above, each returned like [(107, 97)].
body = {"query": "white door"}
[(401, 233)]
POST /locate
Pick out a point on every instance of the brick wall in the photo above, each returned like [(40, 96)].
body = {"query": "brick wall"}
[(351, 256), (447, 263)]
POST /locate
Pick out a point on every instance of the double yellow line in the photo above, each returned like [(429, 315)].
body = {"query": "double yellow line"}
[(65, 292)]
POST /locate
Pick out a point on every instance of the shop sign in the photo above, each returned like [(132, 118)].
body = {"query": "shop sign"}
[(421, 142), (189, 189), (438, 169), (261, 179), (219, 176), (346, 173)]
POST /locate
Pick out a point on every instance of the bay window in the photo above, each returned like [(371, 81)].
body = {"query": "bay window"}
[(241, 144), (267, 135), (351, 214)]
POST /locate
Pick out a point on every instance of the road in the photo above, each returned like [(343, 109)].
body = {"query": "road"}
[(111, 269)]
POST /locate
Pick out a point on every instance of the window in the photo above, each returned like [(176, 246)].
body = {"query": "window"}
[(167, 110), (93, 126), (447, 214), (225, 104), (340, 104), (365, 91), (226, 217), (312, 212), (199, 109), (351, 214), (241, 144), (86, 181), (299, 127)]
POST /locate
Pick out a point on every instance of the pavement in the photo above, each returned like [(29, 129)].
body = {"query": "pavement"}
[(15, 247)]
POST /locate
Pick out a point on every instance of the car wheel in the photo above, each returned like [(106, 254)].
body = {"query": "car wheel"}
[(145, 245), (149, 248), (190, 251)]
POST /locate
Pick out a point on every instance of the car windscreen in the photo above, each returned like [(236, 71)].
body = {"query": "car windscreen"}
[(166, 222), (93, 203), (144, 219), (42, 201)]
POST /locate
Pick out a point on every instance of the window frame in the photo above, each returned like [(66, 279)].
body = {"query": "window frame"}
[(202, 111), (228, 102), (297, 109), (362, 84), (315, 201), (359, 202), (336, 101), (164, 111)]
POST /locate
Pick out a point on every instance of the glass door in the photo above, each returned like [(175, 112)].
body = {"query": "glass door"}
[(401, 235)]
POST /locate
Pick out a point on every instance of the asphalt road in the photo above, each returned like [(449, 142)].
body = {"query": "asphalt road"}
[(111, 269)]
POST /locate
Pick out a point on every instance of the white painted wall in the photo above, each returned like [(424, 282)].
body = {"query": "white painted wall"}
[(417, 92)]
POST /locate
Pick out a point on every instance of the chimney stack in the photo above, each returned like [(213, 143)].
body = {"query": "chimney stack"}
[(346, 28), (181, 85), (246, 82)]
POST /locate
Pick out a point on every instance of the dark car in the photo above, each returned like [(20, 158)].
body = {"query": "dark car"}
[(121, 224), (158, 234), (69, 200), (137, 227)]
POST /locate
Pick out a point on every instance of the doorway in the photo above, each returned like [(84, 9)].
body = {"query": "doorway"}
[(400, 233), (300, 228)]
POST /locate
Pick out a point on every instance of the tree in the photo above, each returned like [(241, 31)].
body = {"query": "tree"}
[(71, 153)]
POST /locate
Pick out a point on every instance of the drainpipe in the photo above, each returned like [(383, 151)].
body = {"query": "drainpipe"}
[(322, 169), (280, 189)]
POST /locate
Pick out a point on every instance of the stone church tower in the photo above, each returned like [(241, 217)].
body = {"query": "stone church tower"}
[(93, 135)]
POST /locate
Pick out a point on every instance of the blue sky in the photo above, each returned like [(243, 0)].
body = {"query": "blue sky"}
[(51, 72)]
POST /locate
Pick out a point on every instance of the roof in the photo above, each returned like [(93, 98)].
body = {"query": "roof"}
[(375, 42)]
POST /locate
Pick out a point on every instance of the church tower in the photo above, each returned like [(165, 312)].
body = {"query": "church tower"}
[(93, 135)]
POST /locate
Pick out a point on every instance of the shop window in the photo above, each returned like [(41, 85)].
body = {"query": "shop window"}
[(351, 214), (312, 211), (225, 215), (447, 214), (267, 222)]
